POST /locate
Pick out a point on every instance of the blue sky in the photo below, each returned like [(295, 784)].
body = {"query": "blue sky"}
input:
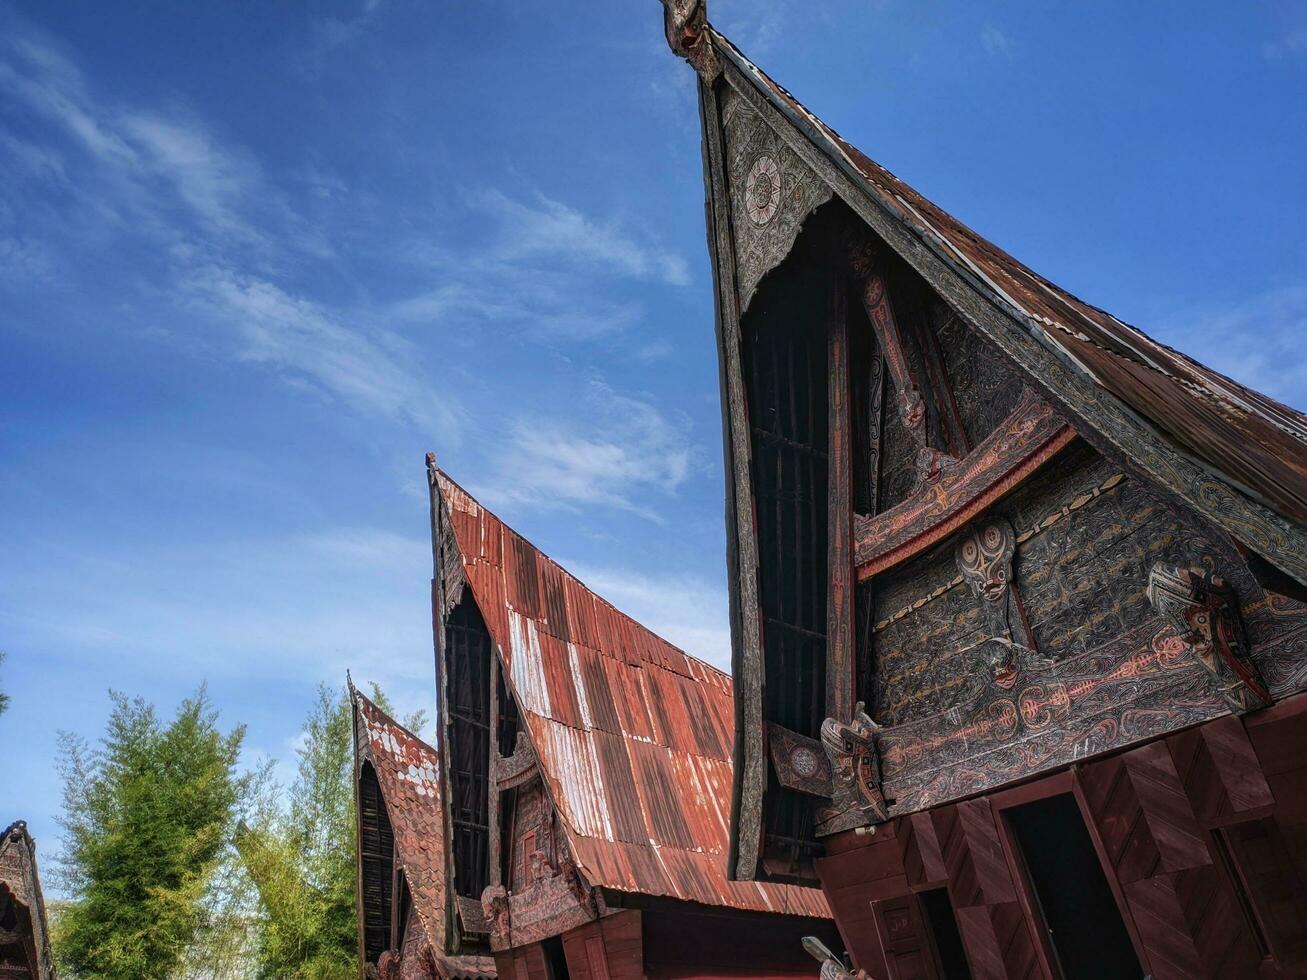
[(256, 260)]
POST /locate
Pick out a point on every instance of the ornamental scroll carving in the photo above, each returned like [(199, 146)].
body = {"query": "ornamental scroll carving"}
[(855, 778), (771, 191), (1205, 612)]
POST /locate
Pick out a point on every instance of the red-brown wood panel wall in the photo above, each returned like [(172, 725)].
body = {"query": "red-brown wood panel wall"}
[(1203, 836)]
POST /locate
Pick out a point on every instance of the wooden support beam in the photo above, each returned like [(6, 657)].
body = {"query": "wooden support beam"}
[(839, 516)]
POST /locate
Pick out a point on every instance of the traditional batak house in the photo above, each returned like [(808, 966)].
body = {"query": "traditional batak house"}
[(586, 777), (402, 855), (1018, 602), (24, 935)]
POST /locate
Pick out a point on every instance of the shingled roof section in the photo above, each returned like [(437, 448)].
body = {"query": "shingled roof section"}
[(24, 932), (1252, 441), (632, 734), (408, 774)]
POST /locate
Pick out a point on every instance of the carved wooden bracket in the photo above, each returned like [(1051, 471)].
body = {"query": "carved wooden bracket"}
[(800, 762), (498, 917), (1205, 611), (517, 768), (963, 488), (854, 755), (865, 266)]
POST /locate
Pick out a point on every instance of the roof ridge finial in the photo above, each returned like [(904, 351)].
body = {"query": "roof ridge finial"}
[(686, 25)]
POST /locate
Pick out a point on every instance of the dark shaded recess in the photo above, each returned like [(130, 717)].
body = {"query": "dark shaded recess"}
[(556, 958), (508, 718), (937, 910), (467, 646), (405, 907), (1074, 898), (1272, 892), (377, 859), (784, 338), (507, 816)]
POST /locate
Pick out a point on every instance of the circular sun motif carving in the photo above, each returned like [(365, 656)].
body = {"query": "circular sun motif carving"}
[(762, 190), (804, 761)]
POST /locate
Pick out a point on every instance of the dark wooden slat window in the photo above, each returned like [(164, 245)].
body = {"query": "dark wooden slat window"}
[(468, 697)]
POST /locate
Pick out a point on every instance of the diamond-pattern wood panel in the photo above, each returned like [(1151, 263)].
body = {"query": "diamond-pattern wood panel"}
[(923, 862), (1143, 814), (1190, 926), (1219, 770), (994, 928)]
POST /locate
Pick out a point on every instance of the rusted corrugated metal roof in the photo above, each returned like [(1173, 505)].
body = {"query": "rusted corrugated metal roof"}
[(633, 735), (1254, 441), (408, 773)]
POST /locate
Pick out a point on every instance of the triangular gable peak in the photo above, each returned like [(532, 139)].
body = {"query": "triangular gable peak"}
[(629, 736), (24, 933), (403, 858), (894, 385)]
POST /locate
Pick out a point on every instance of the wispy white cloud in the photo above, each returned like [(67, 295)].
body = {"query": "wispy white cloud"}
[(283, 608), (687, 611), (616, 450), (995, 42), (371, 371), (1257, 340), (548, 229), (1291, 45)]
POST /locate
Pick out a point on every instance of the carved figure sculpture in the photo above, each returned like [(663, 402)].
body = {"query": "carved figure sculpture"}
[(855, 764), (388, 965), (1205, 611), (984, 559), (494, 902)]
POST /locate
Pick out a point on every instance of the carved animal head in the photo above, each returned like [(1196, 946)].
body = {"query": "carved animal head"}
[(984, 557), (1001, 655)]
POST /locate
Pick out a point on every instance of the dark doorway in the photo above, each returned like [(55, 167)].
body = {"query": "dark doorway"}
[(943, 925), (556, 958), (1080, 913)]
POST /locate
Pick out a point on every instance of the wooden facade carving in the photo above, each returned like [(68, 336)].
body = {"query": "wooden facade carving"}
[(772, 191), (685, 24), (856, 799), (1205, 611), (959, 490), (511, 771), (800, 762)]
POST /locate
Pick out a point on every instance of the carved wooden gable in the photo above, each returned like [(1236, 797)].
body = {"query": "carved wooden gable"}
[(929, 555), (771, 191)]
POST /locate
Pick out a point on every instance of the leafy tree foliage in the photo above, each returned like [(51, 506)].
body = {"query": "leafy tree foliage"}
[(302, 858), (146, 818)]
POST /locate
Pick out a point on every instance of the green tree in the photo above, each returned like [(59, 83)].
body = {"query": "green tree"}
[(4, 698), (146, 818), (302, 857)]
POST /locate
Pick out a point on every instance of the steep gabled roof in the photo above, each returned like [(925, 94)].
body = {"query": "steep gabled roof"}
[(408, 774), (21, 885), (633, 735), (1251, 438), (1235, 455)]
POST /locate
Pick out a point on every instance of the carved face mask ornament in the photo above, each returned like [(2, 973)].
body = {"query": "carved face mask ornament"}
[(984, 557), (1205, 612)]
